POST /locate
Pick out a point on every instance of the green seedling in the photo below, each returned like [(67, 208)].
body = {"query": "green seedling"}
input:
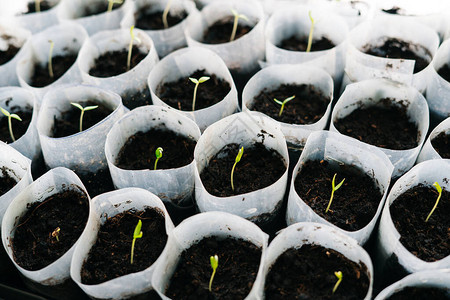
[(50, 56), (55, 233), (130, 46), (10, 117), (237, 16), (197, 83), (311, 32), (214, 264), (238, 159), (338, 275), (158, 153), (166, 13), (283, 103), (83, 109), (439, 189), (37, 5), (136, 235), (333, 189), (111, 4)]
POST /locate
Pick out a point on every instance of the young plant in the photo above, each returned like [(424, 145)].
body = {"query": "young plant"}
[(37, 5), (50, 56), (130, 46), (111, 4), (197, 83), (237, 16), (214, 264), (10, 116), (238, 159), (166, 13), (311, 31), (83, 109), (158, 153), (439, 189), (338, 275), (55, 233), (283, 103), (136, 235), (333, 189)]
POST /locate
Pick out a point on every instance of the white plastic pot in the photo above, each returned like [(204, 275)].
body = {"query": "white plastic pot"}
[(428, 152), (37, 21)]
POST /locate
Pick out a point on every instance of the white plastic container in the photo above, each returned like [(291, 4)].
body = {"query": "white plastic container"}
[(37, 21), (428, 152)]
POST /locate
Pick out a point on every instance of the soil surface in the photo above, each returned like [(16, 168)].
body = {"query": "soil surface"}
[(354, 204), (220, 31), (60, 65), (386, 126), (97, 183), (44, 5), (308, 106), (33, 245), (114, 63), (98, 8), (179, 94), (69, 122), (138, 153), (133, 99), (444, 72), (6, 182), (259, 167), (238, 266), (110, 256), (409, 293), (295, 43), (19, 127), (441, 143), (8, 54), (308, 273), (429, 241), (153, 21), (395, 48)]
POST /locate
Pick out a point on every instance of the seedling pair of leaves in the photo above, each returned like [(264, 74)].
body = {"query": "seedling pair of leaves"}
[(10, 117), (83, 109)]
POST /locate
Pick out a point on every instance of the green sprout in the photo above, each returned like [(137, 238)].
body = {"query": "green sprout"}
[(37, 5), (439, 189), (10, 116), (130, 46), (197, 83), (311, 31), (214, 264), (238, 159), (50, 56), (166, 13), (56, 233), (333, 189), (338, 275), (158, 153), (283, 103), (237, 16), (111, 4), (83, 109), (136, 235)]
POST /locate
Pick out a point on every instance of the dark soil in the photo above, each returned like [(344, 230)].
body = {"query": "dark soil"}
[(179, 94), (444, 72), (110, 256), (441, 143), (6, 181), (409, 293), (308, 106), (395, 48), (429, 241), (395, 10), (220, 31), (139, 151), (308, 273), (386, 126), (8, 54), (354, 204), (153, 21), (238, 266), (69, 122), (60, 65), (98, 8), (97, 183), (114, 63), (33, 245), (44, 5), (19, 127), (259, 167), (133, 99), (295, 43)]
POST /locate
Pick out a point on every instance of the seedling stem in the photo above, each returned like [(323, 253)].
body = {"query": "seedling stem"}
[(197, 83), (311, 31), (283, 103), (333, 189), (130, 47), (338, 274), (166, 13), (136, 235), (439, 189), (55, 233), (238, 159), (10, 116), (50, 56), (82, 112), (111, 4), (158, 153), (214, 264), (37, 5), (237, 16)]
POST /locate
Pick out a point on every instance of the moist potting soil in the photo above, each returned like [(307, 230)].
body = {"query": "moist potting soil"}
[(220, 31), (409, 293), (6, 181), (444, 72), (19, 128), (110, 256), (9, 53), (354, 204), (153, 21), (113, 63), (441, 143), (97, 183), (133, 99), (60, 65), (295, 43)]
